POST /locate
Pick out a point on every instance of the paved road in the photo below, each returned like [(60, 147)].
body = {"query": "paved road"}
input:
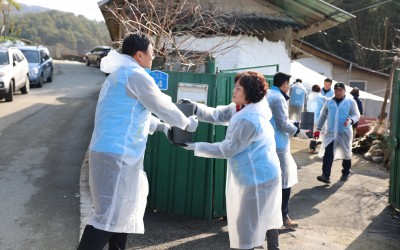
[(352, 215), (43, 139)]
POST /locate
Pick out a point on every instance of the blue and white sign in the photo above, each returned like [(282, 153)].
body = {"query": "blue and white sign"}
[(161, 79)]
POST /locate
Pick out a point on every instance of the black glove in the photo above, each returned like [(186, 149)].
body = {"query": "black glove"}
[(169, 136), (187, 101), (297, 124)]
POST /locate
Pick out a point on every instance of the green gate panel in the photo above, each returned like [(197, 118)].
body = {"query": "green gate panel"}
[(394, 185), (179, 182)]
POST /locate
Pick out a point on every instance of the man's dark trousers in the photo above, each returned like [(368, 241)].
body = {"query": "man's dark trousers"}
[(328, 160)]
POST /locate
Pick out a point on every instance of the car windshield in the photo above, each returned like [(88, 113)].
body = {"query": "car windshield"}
[(4, 58), (31, 56)]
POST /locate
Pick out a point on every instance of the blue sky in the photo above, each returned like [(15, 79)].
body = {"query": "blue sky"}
[(88, 8)]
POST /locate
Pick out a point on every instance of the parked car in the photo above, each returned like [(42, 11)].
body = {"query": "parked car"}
[(14, 73), (95, 55), (40, 64)]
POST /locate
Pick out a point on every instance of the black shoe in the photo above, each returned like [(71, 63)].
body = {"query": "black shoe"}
[(345, 177), (324, 178)]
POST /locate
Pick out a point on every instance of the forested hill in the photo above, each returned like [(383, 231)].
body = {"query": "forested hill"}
[(61, 31)]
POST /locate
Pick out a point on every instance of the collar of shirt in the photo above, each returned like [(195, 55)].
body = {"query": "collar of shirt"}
[(326, 90), (283, 93), (238, 107), (338, 100)]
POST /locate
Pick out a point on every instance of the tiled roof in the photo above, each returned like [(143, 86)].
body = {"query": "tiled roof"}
[(252, 25)]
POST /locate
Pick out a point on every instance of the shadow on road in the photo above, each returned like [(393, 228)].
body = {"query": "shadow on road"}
[(168, 231), (384, 225), (304, 202)]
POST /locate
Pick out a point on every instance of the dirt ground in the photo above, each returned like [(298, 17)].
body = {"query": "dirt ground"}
[(343, 215)]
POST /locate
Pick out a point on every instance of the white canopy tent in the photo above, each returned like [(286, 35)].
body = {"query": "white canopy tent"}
[(310, 78)]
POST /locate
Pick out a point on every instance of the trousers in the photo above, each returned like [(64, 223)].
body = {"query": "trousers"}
[(327, 161), (285, 203), (96, 239)]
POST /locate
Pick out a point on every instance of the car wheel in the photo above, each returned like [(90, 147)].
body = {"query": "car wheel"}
[(50, 78), (40, 83), (87, 62), (98, 63), (25, 88), (10, 93)]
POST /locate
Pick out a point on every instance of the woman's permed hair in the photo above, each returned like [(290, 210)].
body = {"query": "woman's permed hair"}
[(254, 84), (316, 88)]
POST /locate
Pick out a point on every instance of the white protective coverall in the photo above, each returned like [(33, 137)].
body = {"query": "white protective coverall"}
[(315, 103), (335, 116), (123, 120), (253, 182), (284, 129)]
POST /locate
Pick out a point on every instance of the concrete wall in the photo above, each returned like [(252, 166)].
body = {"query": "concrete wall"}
[(241, 52), (374, 84), (318, 65)]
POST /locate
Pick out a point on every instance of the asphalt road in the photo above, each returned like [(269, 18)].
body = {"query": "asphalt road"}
[(43, 139)]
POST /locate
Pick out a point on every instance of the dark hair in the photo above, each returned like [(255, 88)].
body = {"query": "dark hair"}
[(280, 78), (355, 91), (254, 84), (328, 80), (299, 80), (316, 88), (238, 75), (134, 42)]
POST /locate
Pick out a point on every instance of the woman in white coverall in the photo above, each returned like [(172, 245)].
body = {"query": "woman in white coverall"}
[(123, 120), (253, 182)]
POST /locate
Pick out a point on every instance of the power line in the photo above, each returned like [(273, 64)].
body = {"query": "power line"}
[(372, 6)]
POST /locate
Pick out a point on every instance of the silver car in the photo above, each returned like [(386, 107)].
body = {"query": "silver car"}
[(14, 73)]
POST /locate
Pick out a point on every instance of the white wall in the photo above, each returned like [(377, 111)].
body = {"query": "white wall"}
[(243, 52), (318, 65)]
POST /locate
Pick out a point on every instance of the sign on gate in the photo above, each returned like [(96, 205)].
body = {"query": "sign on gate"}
[(160, 78)]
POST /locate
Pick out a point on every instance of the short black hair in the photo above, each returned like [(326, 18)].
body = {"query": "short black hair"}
[(328, 80), (254, 84), (355, 91), (134, 42), (280, 78), (299, 80)]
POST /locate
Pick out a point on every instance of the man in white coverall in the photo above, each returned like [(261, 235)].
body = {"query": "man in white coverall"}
[(123, 120), (284, 128), (339, 112)]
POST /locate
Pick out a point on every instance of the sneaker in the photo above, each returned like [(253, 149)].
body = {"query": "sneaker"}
[(324, 178), (289, 223), (345, 177), (311, 151)]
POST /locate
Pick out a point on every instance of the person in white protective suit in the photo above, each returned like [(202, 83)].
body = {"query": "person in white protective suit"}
[(339, 112), (123, 120), (284, 129), (327, 88), (315, 103), (298, 96), (253, 182)]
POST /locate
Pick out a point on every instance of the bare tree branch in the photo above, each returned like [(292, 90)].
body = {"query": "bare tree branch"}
[(173, 24)]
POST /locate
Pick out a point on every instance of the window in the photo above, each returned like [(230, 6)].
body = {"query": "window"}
[(358, 83)]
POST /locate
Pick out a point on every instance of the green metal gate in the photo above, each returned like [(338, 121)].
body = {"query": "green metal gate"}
[(394, 186), (181, 183)]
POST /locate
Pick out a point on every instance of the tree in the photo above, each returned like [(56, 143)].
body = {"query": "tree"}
[(6, 6), (370, 40), (174, 24)]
